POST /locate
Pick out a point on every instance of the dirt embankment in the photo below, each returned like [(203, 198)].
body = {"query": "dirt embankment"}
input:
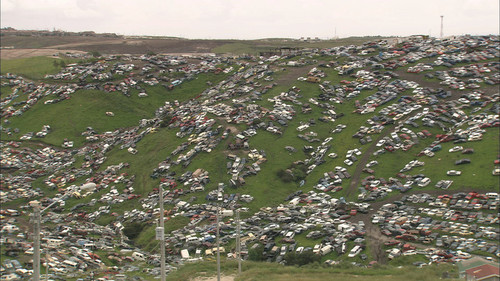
[(24, 46), (292, 74)]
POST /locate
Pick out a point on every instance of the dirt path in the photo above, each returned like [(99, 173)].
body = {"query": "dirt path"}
[(100, 42), (214, 278), (292, 74), (26, 53), (362, 163)]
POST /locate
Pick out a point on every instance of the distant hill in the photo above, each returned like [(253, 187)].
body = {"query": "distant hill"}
[(111, 43)]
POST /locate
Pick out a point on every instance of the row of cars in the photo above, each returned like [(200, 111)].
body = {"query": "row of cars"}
[(455, 231)]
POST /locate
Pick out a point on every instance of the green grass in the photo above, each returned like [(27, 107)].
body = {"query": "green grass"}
[(32, 68), (5, 90), (152, 149), (86, 108), (474, 175), (191, 89)]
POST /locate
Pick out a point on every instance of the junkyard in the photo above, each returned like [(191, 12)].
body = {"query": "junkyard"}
[(386, 152)]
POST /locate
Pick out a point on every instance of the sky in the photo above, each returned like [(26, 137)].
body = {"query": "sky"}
[(256, 19)]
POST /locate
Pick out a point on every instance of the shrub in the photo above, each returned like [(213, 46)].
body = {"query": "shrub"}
[(256, 254), (133, 230), (303, 258)]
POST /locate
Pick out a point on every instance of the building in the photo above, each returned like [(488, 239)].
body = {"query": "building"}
[(485, 272), (475, 264)]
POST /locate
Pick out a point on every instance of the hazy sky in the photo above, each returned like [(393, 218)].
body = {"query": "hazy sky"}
[(252, 19)]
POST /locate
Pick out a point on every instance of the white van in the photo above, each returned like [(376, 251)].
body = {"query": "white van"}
[(138, 256), (492, 195), (355, 251)]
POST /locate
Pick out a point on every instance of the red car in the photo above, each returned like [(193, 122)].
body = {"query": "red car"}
[(471, 195), (386, 232), (392, 242)]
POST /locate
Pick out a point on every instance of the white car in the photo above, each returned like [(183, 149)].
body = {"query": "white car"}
[(348, 162), (454, 173), (332, 155), (456, 148), (424, 182), (380, 143)]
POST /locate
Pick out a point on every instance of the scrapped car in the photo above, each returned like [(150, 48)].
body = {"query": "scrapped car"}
[(462, 161), (454, 173)]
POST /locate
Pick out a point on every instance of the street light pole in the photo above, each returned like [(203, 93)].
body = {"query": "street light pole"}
[(37, 214)]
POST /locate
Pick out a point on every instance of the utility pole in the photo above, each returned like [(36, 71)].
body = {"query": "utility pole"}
[(36, 240), (218, 244), (441, 27), (238, 243), (219, 198), (161, 234)]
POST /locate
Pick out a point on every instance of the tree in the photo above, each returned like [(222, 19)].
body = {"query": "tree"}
[(256, 254), (133, 230), (95, 54), (284, 175)]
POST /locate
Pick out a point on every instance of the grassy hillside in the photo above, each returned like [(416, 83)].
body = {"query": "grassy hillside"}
[(253, 47), (256, 271), (87, 108)]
